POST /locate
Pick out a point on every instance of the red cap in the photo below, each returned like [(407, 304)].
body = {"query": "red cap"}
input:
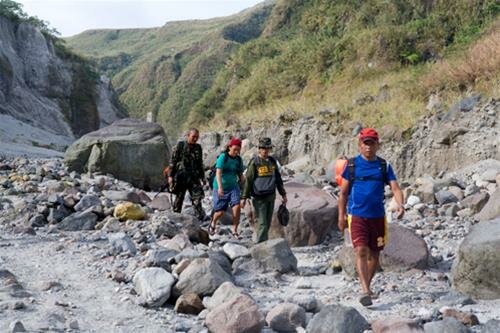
[(234, 142), (367, 134)]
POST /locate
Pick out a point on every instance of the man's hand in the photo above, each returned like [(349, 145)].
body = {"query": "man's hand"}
[(400, 212), (285, 200), (341, 223), (170, 180), (220, 192), (243, 202)]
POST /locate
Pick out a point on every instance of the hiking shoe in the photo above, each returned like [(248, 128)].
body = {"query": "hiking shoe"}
[(365, 300)]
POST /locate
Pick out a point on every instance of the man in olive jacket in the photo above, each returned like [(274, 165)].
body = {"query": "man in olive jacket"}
[(262, 179), (187, 173)]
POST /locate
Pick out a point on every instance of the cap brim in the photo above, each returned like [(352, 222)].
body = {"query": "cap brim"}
[(369, 138)]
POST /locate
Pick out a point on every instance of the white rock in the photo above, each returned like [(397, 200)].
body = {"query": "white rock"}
[(154, 284), (234, 251), (413, 200)]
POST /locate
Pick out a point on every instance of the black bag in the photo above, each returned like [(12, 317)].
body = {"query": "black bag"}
[(264, 185), (180, 181), (283, 215)]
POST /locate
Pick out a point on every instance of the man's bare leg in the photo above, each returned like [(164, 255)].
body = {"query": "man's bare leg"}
[(362, 254)]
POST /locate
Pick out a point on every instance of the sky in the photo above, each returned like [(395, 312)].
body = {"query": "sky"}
[(71, 17)]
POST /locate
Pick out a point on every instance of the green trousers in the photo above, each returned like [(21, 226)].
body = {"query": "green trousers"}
[(196, 193), (264, 208)]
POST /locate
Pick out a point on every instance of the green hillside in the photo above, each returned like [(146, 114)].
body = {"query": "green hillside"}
[(166, 70), (376, 61)]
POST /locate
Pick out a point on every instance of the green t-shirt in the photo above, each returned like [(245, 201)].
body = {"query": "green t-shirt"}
[(231, 167)]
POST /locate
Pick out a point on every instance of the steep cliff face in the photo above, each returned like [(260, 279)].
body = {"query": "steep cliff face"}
[(47, 89)]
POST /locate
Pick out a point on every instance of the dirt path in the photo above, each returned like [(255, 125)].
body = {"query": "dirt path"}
[(87, 296)]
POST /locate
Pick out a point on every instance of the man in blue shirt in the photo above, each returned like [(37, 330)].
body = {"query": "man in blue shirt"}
[(365, 207)]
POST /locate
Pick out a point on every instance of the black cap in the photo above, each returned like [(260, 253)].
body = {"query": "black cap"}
[(265, 143)]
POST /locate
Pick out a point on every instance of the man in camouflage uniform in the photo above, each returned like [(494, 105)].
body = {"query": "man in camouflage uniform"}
[(187, 173)]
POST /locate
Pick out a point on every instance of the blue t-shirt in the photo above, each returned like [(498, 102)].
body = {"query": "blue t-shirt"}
[(231, 169), (366, 198)]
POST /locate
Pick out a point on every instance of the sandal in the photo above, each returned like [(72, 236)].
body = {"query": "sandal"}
[(365, 299), (211, 229), (235, 234)]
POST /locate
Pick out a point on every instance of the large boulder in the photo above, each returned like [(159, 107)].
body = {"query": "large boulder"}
[(286, 317), (202, 277), (154, 285), (492, 209), (274, 255), (405, 250), (337, 318), (240, 314), (313, 215), (132, 150), (475, 270)]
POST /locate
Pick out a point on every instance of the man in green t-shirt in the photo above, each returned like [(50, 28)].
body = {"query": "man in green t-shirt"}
[(263, 178)]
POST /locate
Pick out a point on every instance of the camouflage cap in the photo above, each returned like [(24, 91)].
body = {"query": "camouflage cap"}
[(265, 143)]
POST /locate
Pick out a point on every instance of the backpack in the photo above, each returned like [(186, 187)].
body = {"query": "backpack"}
[(343, 163), (264, 185), (213, 169)]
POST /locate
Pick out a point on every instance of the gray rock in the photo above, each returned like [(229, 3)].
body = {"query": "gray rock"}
[(16, 326), (37, 221), (160, 257), (492, 209), (224, 293), (447, 325), (79, 221), (491, 326), (275, 255), (201, 277), (456, 191), (161, 202), (475, 268), (337, 319), (490, 175), (286, 317), (234, 251), (308, 302), (58, 214), (471, 189), (444, 197), (154, 285), (87, 201), (476, 201), (122, 196), (220, 258), (117, 148), (190, 254), (122, 243)]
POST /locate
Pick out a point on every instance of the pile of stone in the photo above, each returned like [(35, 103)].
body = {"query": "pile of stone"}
[(165, 261)]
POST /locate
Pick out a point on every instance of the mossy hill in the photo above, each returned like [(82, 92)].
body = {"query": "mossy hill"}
[(376, 61)]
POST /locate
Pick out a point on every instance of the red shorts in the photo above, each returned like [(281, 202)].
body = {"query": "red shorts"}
[(371, 232)]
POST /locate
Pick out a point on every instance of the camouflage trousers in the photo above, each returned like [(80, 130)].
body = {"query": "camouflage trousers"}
[(196, 193)]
